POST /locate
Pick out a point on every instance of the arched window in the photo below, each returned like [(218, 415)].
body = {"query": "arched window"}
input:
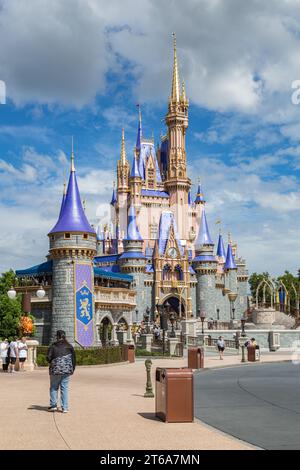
[(178, 273), (166, 273)]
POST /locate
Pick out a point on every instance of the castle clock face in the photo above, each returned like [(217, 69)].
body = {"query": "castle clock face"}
[(172, 252)]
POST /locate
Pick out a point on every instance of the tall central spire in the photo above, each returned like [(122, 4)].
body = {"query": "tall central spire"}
[(139, 134), (175, 95), (72, 156), (123, 150)]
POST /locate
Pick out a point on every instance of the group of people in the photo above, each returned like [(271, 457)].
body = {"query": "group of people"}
[(13, 354), (250, 343)]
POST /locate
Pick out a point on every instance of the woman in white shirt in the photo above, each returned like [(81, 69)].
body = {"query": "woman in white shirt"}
[(4, 348), (22, 347)]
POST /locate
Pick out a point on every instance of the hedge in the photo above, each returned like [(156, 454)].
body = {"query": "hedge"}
[(88, 356)]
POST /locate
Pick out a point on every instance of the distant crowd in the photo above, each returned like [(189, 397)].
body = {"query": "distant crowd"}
[(13, 354)]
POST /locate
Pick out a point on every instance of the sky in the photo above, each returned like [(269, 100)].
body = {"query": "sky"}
[(79, 67)]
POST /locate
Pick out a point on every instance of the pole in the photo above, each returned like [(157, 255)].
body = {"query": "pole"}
[(164, 342), (149, 391)]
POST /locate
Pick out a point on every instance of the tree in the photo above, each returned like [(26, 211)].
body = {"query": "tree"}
[(10, 310), (254, 281)]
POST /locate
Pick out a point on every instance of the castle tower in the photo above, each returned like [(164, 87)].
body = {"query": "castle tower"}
[(205, 265), (123, 190), (72, 248), (135, 184), (132, 261), (177, 182), (230, 271)]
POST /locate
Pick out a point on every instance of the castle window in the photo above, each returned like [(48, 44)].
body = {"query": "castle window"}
[(178, 273), (52, 237), (166, 275), (67, 235), (85, 236)]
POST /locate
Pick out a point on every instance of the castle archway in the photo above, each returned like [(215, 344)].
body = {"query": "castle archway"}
[(105, 331), (175, 304)]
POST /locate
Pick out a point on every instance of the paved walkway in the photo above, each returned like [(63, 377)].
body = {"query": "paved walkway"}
[(107, 411)]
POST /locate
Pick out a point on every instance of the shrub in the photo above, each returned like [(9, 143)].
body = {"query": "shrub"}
[(87, 356)]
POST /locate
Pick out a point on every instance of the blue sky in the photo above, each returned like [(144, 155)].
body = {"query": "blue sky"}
[(79, 67)]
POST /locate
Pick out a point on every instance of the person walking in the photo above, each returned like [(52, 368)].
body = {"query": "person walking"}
[(4, 346), (13, 355), (62, 363), (22, 347), (221, 346)]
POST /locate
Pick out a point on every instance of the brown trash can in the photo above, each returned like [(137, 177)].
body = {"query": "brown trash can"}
[(253, 353), (196, 358), (174, 395), (128, 352)]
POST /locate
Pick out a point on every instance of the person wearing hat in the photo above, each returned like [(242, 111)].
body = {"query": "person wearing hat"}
[(62, 363)]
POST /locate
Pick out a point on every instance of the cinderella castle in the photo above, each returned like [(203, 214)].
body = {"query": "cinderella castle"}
[(157, 250)]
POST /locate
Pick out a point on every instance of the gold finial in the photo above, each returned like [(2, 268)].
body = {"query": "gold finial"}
[(175, 95), (72, 156), (123, 150), (229, 238), (65, 188)]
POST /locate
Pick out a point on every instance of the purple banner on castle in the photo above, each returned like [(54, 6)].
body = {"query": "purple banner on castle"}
[(84, 304)]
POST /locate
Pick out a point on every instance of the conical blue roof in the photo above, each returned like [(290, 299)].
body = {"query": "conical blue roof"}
[(113, 197), (229, 263), (72, 217), (204, 237), (221, 250), (139, 134), (133, 232), (199, 196), (135, 169)]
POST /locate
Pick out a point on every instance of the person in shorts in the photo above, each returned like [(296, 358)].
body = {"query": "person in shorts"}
[(22, 348), (5, 360), (221, 346), (13, 355)]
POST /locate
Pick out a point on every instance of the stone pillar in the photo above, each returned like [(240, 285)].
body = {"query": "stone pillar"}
[(129, 335), (172, 345), (30, 363), (114, 339), (146, 341)]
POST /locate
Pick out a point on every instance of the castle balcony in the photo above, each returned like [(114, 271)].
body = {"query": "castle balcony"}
[(115, 297)]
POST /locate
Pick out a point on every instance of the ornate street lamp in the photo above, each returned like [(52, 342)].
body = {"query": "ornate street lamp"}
[(136, 315), (243, 321), (172, 320), (218, 314), (202, 318), (147, 317), (232, 296), (41, 292), (12, 293)]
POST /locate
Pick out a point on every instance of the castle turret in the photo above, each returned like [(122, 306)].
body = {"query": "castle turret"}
[(72, 248), (135, 184), (205, 265), (221, 250), (177, 183), (133, 260), (123, 171)]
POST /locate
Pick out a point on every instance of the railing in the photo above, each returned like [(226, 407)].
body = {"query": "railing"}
[(117, 296), (229, 343)]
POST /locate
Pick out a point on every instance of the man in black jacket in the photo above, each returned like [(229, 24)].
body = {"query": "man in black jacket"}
[(62, 363)]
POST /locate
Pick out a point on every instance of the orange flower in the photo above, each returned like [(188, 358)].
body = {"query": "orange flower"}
[(26, 325)]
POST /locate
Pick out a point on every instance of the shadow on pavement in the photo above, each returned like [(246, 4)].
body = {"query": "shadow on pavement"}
[(38, 408), (149, 416)]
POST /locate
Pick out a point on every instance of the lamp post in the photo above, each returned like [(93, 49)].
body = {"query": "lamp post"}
[(146, 317), (172, 320), (202, 318), (136, 315), (218, 314), (12, 293), (232, 296), (243, 321)]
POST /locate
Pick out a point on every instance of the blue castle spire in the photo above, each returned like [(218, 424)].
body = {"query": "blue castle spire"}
[(221, 250), (204, 237), (72, 217), (113, 197), (229, 263), (199, 196), (135, 169), (133, 232), (189, 198), (139, 134)]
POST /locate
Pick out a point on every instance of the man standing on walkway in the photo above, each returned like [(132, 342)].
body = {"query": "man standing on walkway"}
[(62, 362)]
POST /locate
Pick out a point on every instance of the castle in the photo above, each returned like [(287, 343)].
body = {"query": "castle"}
[(157, 251)]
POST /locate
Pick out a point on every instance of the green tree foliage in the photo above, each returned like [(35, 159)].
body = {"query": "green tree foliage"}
[(10, 310)]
